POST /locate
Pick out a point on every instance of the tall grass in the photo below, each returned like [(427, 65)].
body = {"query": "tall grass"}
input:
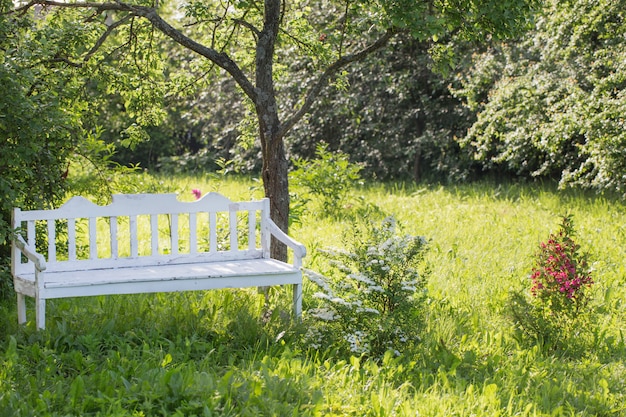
[(227, 353)]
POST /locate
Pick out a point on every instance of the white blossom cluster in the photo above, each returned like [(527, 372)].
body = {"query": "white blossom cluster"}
[(315, 337), (318, 279), (354, 302), (325, 314), (358, 342)]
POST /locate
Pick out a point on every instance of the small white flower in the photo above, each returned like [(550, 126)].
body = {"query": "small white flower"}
[(339, 300), (357, 342), (367, 310), (387, 244), (374, 288), (321, 295), (361, 278), (318, 279), (357, 303), (323, 314)]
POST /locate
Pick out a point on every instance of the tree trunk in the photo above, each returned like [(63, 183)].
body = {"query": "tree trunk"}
[(275, 182), (275, 167)]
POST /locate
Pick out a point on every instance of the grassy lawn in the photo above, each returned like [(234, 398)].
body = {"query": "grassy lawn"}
[(223, 353)]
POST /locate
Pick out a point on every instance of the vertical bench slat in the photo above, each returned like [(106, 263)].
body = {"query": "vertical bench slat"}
[(113, 229), (134, 243), (52, 241), (71, 239), (266, 237), (30, 232), (251, 229), (93, 234), (193, 237), (234, 245), (174, 233), (212, 232), (154, 234)]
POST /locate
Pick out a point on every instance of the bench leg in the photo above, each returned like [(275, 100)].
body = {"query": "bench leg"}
[(21, 309), (40, 313), (266, 293), (297, 300)]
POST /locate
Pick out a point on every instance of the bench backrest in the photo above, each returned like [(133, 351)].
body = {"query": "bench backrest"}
[(144, 229)]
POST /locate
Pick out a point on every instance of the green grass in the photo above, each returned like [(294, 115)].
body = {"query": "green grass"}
[(211, 353)]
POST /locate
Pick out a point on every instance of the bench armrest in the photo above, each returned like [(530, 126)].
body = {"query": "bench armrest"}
[(299, 250), (30, 253)]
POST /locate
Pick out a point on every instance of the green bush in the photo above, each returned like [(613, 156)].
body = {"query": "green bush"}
[(557, 312), (551, 105), (329, 177), (371, 298)]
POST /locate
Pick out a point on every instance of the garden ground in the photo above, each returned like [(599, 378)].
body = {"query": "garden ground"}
[(226, 353)]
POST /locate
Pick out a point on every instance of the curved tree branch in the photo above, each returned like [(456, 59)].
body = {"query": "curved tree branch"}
[(331, 70), (104, 37), (221, 59)]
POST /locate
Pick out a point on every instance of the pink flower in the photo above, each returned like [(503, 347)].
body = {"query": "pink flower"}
[(197, 193), (560, 275)]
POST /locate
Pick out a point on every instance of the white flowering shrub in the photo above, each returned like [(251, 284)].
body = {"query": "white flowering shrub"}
[(370, 298)]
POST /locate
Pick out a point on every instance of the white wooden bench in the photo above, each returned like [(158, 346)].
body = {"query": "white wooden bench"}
[(145, 243)]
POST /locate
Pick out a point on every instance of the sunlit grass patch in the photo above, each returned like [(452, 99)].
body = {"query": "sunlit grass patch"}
[(227, 352)]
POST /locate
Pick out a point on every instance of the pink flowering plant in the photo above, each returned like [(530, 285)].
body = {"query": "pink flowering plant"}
[(561, 275), (560, 283), (370, 298)]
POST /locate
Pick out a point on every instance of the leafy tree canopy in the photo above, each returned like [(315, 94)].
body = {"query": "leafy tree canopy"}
[(553, 104)]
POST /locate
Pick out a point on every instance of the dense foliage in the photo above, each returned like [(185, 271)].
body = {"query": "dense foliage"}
[(395, 116), (372, 297), (548, 105), (552, 104), (37, 123), (328, 179), (49, 133)]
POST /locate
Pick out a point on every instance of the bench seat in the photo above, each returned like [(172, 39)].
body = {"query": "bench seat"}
[(163, 278)]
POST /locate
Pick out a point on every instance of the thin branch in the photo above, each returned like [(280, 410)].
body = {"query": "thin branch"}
[(217, 24), (104, 37), (299, 42), (215, 20), (331, 70), (221, 59), (172, 95), (256, 32), (64, 60), (81, 5)]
